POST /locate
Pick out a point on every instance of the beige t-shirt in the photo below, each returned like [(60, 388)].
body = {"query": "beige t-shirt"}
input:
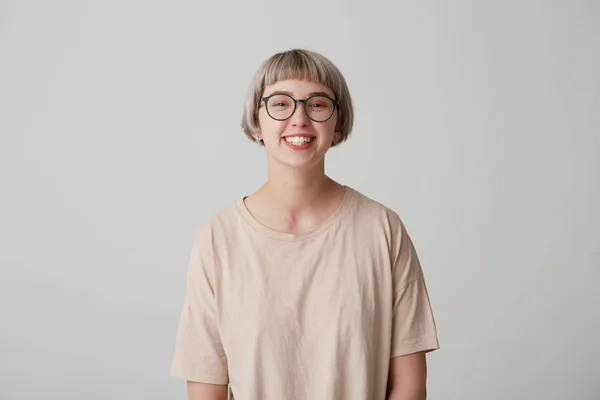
[(311, 316)]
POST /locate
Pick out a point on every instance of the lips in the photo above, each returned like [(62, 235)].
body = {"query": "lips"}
[(299, 140)]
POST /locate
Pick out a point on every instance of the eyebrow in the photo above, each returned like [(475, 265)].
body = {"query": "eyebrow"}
[(309, 95)]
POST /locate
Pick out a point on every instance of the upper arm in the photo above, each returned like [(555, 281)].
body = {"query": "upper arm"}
[(199, 353), (205, 391), (413, 324), (408, 376), (414, 331)]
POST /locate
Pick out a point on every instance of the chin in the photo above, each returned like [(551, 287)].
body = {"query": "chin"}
[(300, 161)]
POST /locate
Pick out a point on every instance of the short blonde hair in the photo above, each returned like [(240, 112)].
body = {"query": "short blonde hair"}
[(304, 65)]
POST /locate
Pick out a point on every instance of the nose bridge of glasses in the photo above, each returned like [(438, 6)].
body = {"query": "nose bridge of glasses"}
[(303, 110)]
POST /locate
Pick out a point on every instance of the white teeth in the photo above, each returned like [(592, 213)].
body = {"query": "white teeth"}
[(298, 140)]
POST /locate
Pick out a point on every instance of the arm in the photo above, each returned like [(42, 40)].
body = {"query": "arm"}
[(413, 326), (205, 391), (407, 377), (199, 355)]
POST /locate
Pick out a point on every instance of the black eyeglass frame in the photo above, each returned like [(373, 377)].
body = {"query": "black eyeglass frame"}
[(335, 102)]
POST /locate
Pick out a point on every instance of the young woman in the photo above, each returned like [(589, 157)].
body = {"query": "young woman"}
[(305, 289)]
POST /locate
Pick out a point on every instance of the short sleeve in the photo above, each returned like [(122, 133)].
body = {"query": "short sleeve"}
[(199, 354), (413, 325)]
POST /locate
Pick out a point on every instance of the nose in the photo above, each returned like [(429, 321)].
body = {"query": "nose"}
[(299, 117)]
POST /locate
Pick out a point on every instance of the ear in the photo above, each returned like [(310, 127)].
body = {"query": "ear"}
[(336, 138)]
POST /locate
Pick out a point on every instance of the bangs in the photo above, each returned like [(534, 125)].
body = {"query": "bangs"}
[(297, 65)]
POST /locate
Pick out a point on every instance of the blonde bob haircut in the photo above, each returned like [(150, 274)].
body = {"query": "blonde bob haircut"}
[(303, 65)]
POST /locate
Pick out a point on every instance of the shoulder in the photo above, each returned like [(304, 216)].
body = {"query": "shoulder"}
[(219, 225), (381, 224), (372, 212)]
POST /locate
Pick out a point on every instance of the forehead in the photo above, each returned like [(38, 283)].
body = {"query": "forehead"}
[(297, 87)]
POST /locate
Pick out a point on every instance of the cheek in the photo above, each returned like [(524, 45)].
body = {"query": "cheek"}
[(334, 121), (270, 126), (327, 128)]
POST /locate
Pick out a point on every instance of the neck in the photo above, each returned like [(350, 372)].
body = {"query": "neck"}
[(295, 200), (296, 192)]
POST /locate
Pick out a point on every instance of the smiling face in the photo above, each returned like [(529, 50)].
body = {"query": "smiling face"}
[(297, 141)]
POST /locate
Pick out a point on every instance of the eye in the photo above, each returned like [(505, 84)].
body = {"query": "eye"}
[(319, 103), (280, 102)]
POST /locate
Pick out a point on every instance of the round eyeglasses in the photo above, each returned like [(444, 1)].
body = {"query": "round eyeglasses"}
[(318, 108)]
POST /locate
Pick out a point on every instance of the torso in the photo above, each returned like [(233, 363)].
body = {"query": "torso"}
[(306, 316)]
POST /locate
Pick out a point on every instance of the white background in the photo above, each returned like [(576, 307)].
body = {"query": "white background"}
[(478, 122)]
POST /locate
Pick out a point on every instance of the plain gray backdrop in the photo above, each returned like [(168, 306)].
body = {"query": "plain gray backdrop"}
[(478, 122)]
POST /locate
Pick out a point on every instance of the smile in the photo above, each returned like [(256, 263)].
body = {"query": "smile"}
[(298, 140)]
